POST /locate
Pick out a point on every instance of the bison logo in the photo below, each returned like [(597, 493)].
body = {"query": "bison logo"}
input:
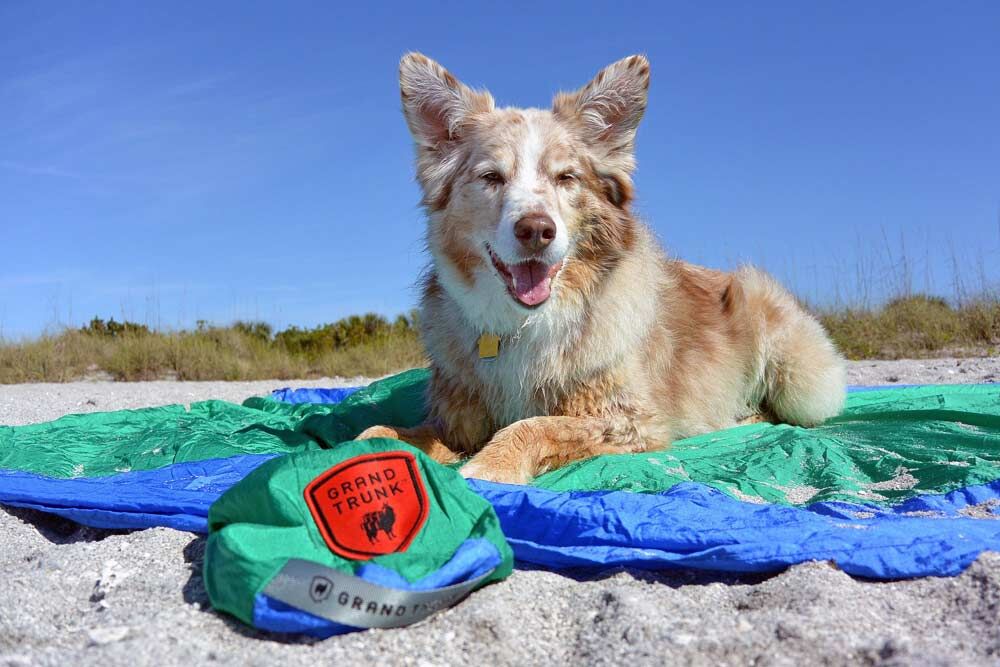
[(383, 519), (369, 505)]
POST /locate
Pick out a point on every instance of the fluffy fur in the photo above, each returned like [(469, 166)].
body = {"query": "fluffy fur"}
[(628, 349)]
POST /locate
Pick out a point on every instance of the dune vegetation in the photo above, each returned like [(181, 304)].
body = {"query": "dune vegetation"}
[(368, 345), (916, 326), (371, 345)]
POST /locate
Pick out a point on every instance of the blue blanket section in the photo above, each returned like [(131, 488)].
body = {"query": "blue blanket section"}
[(310, 395), (689, 526), (177, 496), (696, 526)]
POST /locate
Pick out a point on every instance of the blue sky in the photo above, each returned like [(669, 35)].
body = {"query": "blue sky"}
[(169, 162)]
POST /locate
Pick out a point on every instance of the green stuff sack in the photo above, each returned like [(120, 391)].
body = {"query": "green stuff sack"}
[(369, 534)]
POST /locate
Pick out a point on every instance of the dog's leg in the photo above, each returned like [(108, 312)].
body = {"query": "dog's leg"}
[(532, 446), (425, 437)]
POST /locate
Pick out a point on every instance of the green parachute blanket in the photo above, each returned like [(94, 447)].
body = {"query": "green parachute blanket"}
[(887, 446)]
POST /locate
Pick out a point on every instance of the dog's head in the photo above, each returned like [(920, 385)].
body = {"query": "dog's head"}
[(523, 203)]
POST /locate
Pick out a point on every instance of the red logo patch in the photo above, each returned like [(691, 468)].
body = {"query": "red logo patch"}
[(370, 505)]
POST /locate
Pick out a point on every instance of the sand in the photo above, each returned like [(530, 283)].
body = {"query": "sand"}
[(71, 595)]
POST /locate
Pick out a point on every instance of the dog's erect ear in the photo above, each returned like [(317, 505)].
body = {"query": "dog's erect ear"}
[(435, 103), (607, 111)]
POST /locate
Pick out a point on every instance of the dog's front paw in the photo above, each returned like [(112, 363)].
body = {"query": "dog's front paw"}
[(480, 467), (378, 432)]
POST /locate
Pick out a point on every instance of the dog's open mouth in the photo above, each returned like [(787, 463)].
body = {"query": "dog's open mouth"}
[(530, 282)]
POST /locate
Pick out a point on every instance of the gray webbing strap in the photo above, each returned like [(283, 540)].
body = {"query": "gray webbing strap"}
[(344, 598)]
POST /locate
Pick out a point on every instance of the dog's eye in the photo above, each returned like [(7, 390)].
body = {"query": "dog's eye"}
[(566, 177), (492, 177)]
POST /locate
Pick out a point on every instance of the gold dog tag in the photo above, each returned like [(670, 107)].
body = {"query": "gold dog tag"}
[(489, 346)]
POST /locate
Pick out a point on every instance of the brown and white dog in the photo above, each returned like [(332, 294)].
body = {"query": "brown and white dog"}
[(606, 345)]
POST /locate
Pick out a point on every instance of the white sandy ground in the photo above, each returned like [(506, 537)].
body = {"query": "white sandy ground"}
[(72, 595)]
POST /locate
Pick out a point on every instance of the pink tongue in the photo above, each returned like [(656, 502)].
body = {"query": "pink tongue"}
[(531, 282)]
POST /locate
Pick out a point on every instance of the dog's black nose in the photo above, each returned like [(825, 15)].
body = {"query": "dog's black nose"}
[(535, 231)]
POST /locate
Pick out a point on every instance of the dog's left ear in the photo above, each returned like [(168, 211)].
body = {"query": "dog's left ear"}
[(607, 111), (435, 103)]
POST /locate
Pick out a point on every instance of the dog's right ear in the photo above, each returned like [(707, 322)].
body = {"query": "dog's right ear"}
[(435, 103), (608, 109)]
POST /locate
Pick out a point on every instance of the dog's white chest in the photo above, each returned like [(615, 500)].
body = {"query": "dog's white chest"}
[(512, 378)]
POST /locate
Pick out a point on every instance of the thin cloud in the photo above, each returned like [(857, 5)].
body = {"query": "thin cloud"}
[(42, 170)]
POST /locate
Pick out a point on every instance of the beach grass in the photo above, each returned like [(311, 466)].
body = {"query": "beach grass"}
[(917, 326)]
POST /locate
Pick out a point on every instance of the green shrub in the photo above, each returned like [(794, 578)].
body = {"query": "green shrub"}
[(112, 329)]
